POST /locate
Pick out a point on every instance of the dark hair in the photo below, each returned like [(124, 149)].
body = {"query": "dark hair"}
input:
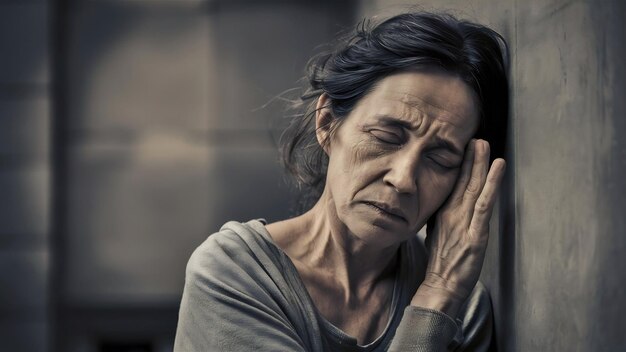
[(409, 41)]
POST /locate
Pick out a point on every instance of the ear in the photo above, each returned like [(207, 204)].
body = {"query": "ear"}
[(324, 120)]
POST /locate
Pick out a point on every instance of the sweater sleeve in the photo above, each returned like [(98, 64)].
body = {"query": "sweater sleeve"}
[(227, 307), (427, 330)]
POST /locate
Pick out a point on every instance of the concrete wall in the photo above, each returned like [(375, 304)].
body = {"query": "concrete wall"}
[(556, 252)]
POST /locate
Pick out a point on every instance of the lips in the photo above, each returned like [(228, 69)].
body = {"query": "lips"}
[(394, 211)]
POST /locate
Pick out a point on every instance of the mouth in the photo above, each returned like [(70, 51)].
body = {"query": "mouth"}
[(387, 210)]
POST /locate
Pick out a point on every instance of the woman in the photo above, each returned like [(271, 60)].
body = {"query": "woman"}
[(398, 132)]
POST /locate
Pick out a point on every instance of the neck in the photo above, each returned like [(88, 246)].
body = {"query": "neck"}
[(329, 245)]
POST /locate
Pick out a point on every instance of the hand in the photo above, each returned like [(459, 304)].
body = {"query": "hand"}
[(457, 234)]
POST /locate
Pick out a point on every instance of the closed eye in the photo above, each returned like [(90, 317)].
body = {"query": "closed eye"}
[(387, 137), (441, 162)]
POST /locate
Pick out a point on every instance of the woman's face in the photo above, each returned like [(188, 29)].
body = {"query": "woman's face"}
[(401, 147)]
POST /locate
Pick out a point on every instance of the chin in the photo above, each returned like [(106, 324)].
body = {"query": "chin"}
[(378, 233)]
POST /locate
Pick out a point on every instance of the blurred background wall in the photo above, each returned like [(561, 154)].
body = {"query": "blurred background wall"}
[(132, 129)]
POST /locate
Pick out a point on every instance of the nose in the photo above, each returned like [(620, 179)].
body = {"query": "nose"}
[(402, 174)]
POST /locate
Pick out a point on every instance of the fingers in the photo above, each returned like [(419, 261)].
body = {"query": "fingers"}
[(477, 186), (466, 170), (473, 174), (479, 224), (479, 173)]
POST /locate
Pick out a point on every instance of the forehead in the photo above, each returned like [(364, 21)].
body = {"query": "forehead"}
[(424, 97)]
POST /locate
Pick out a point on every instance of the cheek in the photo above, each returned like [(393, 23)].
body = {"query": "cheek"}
[(354, 169), (345, 170), (360, 161), (365, 151), (434, 190)]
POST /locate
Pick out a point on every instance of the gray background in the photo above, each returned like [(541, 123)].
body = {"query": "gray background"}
[(132, 129)]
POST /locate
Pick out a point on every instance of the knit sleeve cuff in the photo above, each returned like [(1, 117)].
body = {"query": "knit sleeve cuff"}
[(423, 329)]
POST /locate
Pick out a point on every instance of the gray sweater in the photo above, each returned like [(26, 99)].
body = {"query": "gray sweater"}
[(243, 293)]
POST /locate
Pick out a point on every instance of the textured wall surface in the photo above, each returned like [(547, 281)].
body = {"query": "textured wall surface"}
[(570, 191), (558, 242)]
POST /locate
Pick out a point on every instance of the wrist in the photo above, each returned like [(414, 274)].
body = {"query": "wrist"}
[(438, 299)]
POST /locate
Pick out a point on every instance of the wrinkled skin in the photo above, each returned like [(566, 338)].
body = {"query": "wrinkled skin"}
[(386, 150), (372, 156), (408, 144)]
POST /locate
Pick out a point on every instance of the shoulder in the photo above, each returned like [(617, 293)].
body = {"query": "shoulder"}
[(220, 249), (236, 255), (233, 293)]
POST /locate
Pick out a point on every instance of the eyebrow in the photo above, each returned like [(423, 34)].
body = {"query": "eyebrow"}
[(388, 120), (438, 141)]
